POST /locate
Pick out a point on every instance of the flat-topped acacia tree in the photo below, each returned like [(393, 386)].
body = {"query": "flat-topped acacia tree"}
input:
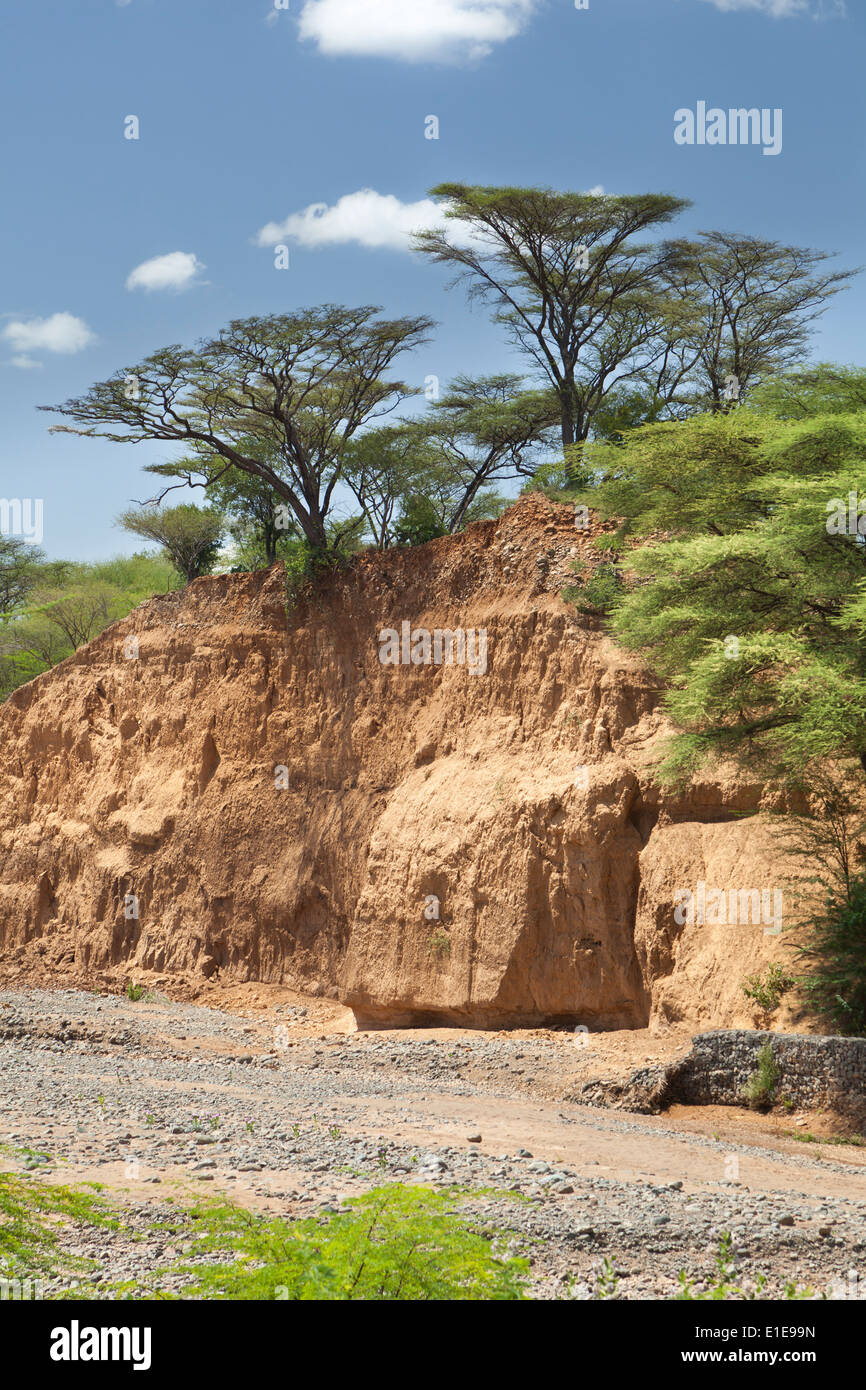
[(752, 303), (301, 384), (606, 318), (578, 294)]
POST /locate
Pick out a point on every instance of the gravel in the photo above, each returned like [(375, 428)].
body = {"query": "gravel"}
[(160, 1092)]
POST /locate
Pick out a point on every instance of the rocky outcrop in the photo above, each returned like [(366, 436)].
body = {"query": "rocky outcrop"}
[(220, 785)]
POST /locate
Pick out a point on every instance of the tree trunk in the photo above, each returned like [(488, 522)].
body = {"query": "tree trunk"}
[(314, 531), (567, 407)]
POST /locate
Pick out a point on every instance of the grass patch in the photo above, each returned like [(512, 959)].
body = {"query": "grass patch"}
[(138, 993), (806, 1137)]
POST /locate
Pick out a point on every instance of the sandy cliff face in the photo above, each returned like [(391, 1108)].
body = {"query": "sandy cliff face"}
[(257, 794)]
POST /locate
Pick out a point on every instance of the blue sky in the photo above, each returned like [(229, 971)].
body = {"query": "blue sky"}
[(249, 115)]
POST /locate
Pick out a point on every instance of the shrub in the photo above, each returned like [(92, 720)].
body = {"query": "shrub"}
[(440, 944), (836, 956), (599, 591), (394, 1243), (761, 1086), (767, 990)]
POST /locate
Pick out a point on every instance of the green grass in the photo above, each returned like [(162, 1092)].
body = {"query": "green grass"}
[(805, 1137)]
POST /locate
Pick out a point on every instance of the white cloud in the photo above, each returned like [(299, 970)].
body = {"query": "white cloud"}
[(366, 217), (416, 31), (24, 362), (175, 271), (371, 219), (59, 333), (785, 9)]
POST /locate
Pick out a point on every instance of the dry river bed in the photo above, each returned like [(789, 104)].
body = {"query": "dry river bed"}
[(276, 1102)]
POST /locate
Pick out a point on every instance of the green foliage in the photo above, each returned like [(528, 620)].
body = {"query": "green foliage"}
[(701, 476), (138, 577), (30, 1214), (623, 409), (432, 475), (439, 945), (298, 385), (566, 276), (305, 564), (606, 1283), (745, 595), (388, 469), (69, 603), (747, 306), (485, 429), (393, 1243), (836, 956), (844, 1140), (825, 388), (625, 331), (761, 1085), (418, 521), (600, 590), (19, 571), (825, 828), (261, 525), (768, 989), (190, 536)]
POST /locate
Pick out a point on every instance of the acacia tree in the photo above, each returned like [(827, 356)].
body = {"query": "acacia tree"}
[(578, 296), (484, 430), (254, 512), (80, 615), (189, 535), (19, 571), (750, 304), (300, 385), (383, 467), (820, 388), (747, 596)]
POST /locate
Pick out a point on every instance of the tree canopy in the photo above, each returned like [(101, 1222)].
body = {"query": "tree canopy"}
[(747, 591), (190, 535), (577, 294), (299, 385)]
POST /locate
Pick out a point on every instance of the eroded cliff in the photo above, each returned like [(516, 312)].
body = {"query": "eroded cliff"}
[(217, 785)]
